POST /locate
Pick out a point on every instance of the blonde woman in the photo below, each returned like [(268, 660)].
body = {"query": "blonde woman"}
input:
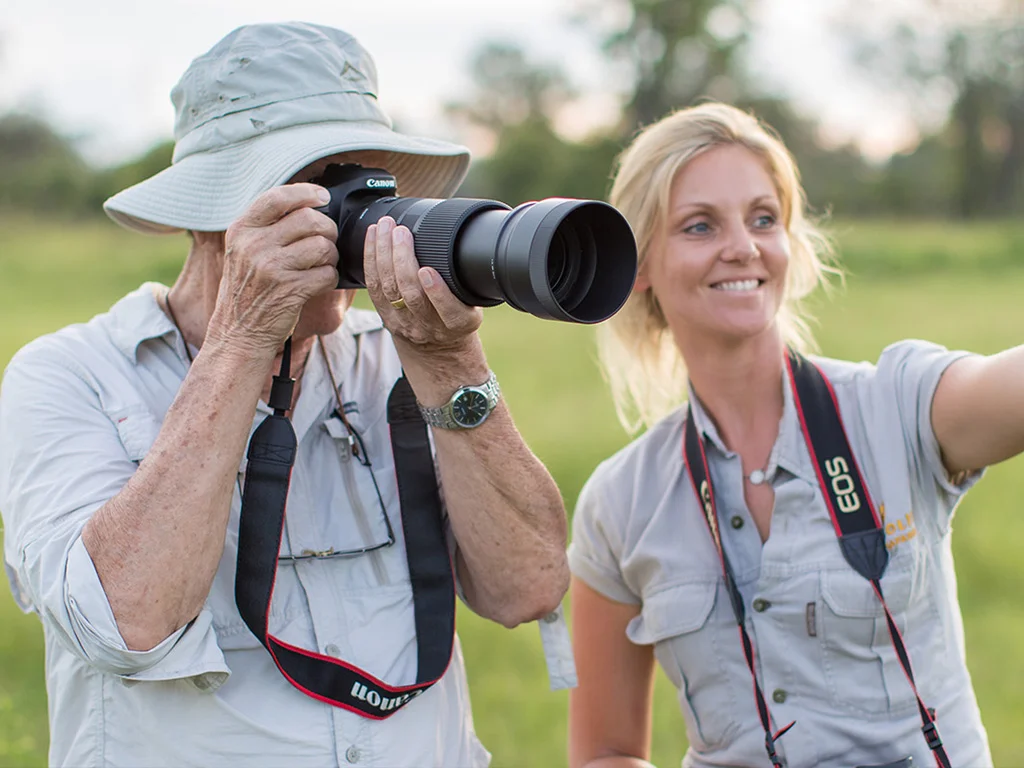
[(779, 542)]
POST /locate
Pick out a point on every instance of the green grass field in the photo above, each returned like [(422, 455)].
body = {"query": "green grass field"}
[(957, 285)]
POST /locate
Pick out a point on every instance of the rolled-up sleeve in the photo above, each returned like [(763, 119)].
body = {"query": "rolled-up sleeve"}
[(909, 372), (597, 541), (61, 459)]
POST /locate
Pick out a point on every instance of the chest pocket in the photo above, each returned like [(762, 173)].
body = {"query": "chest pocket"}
[(137, 428), (861, 667), (689, 625)]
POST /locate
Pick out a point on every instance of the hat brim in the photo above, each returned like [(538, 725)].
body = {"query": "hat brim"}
[(207, 191)]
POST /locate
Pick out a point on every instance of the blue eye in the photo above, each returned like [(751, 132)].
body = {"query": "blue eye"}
[(764, 221), (700, 228)]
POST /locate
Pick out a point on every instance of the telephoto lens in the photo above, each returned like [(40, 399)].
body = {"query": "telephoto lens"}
[(557, 258)]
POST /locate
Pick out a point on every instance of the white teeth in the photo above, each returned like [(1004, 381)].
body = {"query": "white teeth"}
[(737, 285)]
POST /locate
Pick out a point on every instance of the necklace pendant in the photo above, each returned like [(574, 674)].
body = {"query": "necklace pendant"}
[(757, 477)]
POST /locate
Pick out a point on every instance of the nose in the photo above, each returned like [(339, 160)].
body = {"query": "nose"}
[(740, 247)]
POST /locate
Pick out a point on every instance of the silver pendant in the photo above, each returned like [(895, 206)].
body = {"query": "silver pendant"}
[(757, 477)]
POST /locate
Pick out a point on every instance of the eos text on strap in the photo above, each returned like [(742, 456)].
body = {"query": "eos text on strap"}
[(856, 523)]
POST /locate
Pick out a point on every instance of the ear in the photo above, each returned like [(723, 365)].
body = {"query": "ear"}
[(642, 282)]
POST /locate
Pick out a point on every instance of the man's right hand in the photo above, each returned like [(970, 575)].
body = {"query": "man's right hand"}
[(278, 255)]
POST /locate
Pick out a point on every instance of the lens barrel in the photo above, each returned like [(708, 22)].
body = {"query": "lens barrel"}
[(557, 258)]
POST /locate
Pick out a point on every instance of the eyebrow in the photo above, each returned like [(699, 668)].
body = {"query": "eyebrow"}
[(702, 205)]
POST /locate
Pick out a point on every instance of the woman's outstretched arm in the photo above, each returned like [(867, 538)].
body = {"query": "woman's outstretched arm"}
[(978, 410)]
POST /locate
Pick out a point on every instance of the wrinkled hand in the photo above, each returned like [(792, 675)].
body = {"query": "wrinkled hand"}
[(278, 255), (433, 319)]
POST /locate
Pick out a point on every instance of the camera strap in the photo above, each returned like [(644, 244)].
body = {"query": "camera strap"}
[(271, 455), (857, 525), (697, 462)]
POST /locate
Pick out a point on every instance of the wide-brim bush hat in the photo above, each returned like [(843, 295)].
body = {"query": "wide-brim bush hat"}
[(263, 103)]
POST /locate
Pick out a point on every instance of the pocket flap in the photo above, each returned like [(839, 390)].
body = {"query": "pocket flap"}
[(672, 611), (849, 594), (137, 429)]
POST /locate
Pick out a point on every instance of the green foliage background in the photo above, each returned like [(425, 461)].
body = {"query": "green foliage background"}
[(959, 285)]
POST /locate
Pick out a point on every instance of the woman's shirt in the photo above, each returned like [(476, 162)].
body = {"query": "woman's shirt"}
[(824, 655)]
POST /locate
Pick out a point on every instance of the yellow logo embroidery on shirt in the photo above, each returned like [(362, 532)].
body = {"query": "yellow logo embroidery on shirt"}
[(899, 531)]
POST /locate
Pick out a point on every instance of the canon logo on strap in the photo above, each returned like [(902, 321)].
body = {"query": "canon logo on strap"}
[(380, 183), (378, 701)]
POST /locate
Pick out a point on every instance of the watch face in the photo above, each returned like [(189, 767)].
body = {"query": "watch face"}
[(470, 408)]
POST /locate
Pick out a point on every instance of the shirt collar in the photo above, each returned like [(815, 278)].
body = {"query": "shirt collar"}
[(790, 450), (137, 318)]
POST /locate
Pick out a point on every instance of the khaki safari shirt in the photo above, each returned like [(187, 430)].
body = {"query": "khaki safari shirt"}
[(79, 410), (824, 656)]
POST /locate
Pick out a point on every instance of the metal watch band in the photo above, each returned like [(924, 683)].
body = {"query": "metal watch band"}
[(442, 417)]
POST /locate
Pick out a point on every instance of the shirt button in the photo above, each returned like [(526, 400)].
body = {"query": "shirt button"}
[(737, 522), (761, 605), (335, 651), (352, 754), (779, 696), (551, 618)]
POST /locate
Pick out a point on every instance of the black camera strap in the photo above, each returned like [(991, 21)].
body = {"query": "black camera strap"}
[(697, 462), (271, 455), (857, 525)]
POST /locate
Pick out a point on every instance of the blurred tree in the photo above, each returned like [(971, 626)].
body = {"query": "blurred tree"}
[(39, 169), (42, 171), (516, 103), (673, 52), (676, 54), (965, 61), (510, 90)]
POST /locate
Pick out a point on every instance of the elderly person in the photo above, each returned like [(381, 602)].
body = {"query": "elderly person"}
[(779, 538), (123, 454)]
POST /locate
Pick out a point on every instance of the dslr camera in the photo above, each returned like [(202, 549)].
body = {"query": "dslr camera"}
[(557, 258)]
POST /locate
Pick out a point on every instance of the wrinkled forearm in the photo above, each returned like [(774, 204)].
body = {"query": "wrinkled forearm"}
[(505, 510), (509, 521), (156, 545)]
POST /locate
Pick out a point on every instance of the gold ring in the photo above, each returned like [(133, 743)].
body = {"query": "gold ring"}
[(399, 303)]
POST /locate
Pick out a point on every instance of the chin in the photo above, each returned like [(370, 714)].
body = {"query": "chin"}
[(742, 329)]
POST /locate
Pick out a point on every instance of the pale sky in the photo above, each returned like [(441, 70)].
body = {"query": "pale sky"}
[(103, 71)]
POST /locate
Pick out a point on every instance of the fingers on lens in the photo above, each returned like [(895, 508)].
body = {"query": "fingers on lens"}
[(406, 268), (448, 307)]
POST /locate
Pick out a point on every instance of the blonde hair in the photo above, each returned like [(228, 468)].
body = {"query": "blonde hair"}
[(636, 349)]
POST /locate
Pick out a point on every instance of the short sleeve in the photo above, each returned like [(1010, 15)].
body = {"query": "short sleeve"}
[(910, 371), (597, 541)]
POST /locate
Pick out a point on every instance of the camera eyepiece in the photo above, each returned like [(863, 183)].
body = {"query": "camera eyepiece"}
[(557, 258)]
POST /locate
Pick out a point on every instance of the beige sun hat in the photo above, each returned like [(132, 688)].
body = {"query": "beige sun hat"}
[(263, 103)]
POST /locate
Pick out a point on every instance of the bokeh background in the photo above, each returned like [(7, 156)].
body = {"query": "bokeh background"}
[(906, 117)]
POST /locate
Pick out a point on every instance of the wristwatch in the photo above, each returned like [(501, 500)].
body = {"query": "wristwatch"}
[(469, 407)]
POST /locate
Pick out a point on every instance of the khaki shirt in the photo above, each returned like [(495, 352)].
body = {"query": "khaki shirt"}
[(79, 409), (824, 654)]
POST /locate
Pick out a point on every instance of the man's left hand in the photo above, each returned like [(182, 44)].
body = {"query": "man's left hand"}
[(432, 319)]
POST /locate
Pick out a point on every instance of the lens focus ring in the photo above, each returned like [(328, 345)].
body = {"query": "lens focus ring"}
[(435, 235)]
